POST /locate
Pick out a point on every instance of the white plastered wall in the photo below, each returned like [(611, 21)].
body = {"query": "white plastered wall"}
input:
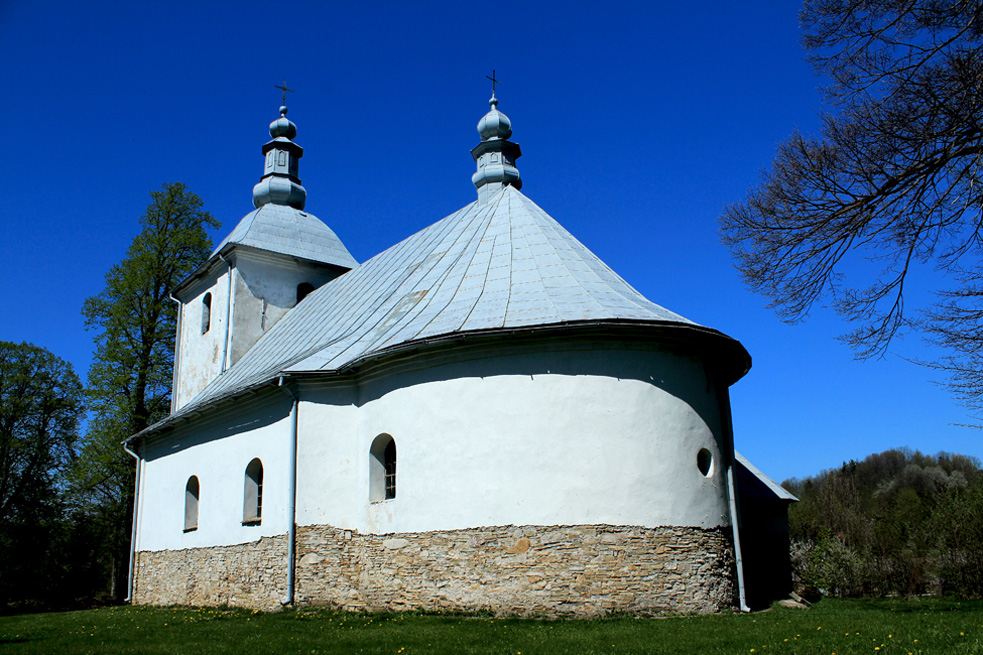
[(200, 356), (265, 290), (565, 437), (217, 452), (557, 438)]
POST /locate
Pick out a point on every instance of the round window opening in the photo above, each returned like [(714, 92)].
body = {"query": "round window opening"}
[(704, 461)]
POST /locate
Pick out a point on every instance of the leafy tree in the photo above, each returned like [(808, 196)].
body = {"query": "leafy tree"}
[(40, 407), (130, 379), (896, 176), (898, 522)]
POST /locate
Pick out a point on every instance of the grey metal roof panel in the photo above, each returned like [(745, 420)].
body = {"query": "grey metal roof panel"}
[(289, 231), (501, 265), (778, 490)]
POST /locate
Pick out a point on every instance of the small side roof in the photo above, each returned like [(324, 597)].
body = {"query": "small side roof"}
[(757, 484)]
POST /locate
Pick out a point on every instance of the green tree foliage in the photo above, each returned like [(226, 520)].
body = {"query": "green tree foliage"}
[(129, 384), (898, 522), (896, 177), (40, 408)]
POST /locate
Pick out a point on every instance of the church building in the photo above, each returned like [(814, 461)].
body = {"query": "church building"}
[(482, 417)]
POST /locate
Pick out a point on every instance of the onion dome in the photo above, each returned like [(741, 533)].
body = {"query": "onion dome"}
[(283, 126), (280, 184), (495, 155), (494, 124)]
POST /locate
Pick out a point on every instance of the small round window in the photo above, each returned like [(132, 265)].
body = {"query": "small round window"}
[(704, 461)]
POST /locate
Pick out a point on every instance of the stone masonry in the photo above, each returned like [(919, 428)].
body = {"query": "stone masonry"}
[(509, 570), (250, 575)]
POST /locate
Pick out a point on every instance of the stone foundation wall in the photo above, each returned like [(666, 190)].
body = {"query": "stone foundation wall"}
[(579, 570), (547, 570), (252, 575)]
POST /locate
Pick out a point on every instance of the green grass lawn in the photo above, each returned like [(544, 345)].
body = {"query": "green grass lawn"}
[(879, 627)]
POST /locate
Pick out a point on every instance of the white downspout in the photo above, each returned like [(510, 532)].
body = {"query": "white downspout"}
[(291, 498), (228, 319), (175, 377), (133, 529), (735, 513), (734, 517)]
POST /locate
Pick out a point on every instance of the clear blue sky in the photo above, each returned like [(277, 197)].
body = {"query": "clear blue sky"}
[(638, 122)]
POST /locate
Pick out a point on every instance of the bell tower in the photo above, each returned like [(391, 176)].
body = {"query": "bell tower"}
[(276, 257)]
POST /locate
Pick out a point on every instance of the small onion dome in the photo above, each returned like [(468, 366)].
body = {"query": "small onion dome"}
[(494, 124), (283, 126)]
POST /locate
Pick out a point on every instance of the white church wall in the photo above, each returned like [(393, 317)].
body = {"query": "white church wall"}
[(265, 290), (556, 438), (329, 454), (217, 452), (201, 353)]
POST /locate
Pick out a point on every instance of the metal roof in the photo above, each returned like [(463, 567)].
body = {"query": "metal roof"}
[(780, 492), (289, 231), (505, 264)]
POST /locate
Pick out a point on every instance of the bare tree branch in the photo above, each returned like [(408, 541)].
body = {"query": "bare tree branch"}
[(895, 177)]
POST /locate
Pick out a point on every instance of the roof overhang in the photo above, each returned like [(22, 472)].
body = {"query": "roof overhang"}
[(729, 360), (228, 253)]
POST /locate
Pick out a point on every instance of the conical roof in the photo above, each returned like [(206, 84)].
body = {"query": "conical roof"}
[(503, 265)]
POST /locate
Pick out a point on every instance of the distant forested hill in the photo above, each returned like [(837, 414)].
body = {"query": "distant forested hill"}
[(896, 523)]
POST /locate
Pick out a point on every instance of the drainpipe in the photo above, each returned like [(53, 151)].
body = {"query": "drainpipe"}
[(177, 355), (228, 319), (734, 517), (133, 529), (291, 497), (735, 513)]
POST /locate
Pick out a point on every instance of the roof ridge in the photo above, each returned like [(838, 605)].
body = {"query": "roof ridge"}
[(488, 217), (378, 335)]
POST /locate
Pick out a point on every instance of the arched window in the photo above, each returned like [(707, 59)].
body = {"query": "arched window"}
[(382, 468), (191, 504), (206, 313), (303, 289), (252, 498)]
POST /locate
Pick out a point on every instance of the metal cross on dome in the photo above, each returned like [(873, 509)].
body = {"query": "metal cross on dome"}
[(492, 78), (284, 88)]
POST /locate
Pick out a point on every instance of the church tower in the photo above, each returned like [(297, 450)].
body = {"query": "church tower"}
[(495, 155), (270, 262)]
